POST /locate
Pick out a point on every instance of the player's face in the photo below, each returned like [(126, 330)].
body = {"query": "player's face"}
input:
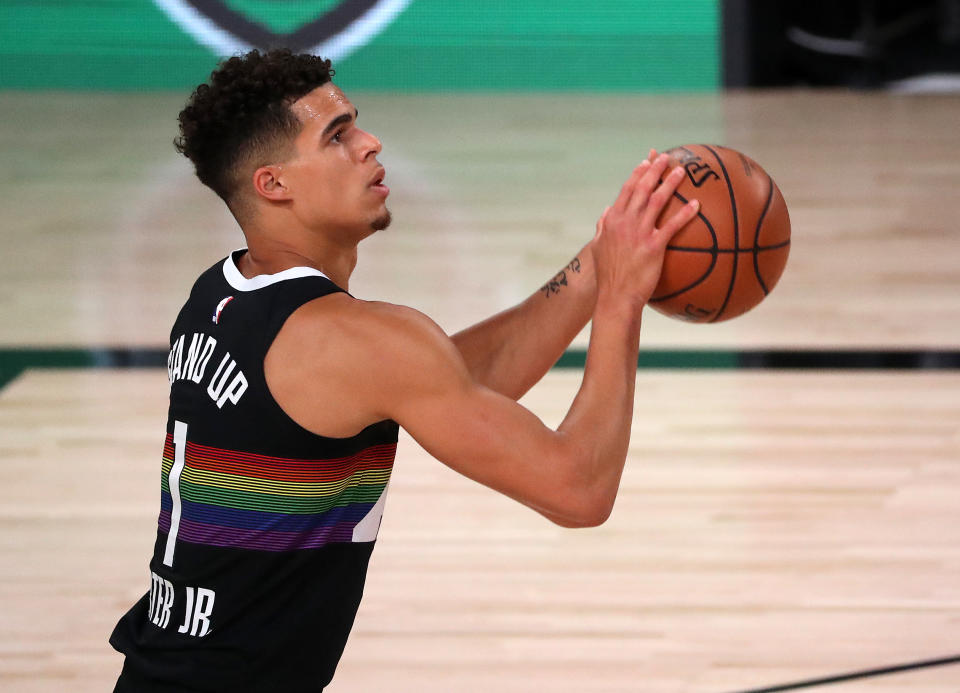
[(334, 175)]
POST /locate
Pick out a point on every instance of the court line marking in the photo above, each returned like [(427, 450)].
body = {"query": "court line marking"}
[(866, 673), (15, 360)]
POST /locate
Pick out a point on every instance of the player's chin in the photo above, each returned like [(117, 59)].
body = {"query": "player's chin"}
[(382, 220)]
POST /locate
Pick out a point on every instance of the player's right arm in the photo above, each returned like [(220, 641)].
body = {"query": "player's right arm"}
[(340, 364)]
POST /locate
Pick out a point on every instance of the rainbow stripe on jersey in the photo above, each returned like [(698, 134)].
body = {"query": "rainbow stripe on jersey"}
[(265, 503)]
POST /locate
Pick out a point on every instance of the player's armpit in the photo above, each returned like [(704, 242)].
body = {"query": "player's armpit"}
[(341, 364)]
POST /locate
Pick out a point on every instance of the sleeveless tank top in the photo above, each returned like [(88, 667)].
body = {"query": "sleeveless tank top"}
[(265, 529)]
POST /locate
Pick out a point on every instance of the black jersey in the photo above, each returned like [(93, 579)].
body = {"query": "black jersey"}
[(265, 529)]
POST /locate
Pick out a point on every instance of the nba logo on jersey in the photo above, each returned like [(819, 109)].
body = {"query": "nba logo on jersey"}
[(220, 307)]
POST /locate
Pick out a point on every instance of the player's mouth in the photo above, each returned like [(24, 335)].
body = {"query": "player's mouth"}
[(376, 184)]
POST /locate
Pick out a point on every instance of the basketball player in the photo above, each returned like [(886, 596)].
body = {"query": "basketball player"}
[(287, 392)]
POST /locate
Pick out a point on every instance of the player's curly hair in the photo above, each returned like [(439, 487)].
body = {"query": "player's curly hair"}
[(242, 117)]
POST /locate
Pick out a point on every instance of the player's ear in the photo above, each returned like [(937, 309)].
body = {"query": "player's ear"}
[(269, 182)]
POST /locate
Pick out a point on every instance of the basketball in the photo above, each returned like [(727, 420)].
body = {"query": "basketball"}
[(731, 255)]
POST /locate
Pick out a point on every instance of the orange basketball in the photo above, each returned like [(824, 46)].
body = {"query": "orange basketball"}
[(725, 261)]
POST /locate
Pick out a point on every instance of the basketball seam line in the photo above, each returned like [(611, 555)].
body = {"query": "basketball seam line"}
[(755, 249), (736, 233), (713, 258), (756, 238)]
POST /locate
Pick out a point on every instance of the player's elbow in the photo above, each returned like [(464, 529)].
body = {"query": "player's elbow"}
[(583, 501), (600, 512), (592, 516), (596, 509)]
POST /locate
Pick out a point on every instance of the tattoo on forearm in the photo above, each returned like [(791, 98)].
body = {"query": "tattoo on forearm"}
[(560, 280)]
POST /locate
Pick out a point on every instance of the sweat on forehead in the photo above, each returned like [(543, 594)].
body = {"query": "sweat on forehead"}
[(321, 103)]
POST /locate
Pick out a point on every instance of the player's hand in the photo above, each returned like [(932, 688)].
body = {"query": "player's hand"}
[(629, 246)]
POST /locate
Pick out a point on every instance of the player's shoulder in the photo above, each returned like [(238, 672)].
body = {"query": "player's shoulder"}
[(341, 328), (373, 352), (344, 313)]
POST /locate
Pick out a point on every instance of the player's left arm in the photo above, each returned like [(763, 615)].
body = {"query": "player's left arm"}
[(510, 351)]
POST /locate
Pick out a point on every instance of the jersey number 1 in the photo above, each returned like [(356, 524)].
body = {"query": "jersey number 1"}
[(179, 458)]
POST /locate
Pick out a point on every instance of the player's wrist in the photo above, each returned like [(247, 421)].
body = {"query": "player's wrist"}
[(619, 308)]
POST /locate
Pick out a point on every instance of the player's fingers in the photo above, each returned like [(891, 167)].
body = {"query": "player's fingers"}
[(647, 183), (661, 197), (678, 220), (654, 193), (627, 191)]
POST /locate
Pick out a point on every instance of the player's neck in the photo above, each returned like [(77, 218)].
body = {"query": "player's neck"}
[(269, 256)]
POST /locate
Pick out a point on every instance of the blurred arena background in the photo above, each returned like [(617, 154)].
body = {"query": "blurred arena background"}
[(790, 514)]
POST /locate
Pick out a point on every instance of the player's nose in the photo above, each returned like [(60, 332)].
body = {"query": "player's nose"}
[(371, 144)]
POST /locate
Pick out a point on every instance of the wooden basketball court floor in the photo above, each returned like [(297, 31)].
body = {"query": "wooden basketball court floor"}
[(774, 526)]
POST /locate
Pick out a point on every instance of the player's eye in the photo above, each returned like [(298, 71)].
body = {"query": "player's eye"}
[(337, 136)]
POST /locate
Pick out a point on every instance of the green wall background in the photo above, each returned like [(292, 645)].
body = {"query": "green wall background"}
[(613, 45)]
